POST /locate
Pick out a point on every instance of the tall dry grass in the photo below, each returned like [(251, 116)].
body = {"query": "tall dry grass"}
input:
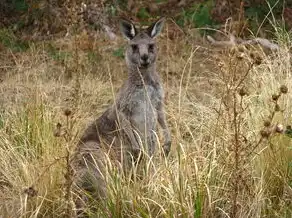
[(227, 160)]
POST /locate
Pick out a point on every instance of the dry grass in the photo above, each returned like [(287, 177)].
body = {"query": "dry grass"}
[(220, 165)]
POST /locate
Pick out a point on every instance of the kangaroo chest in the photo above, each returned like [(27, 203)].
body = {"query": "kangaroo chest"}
[(144, 112), (141, 106), (146, 98)]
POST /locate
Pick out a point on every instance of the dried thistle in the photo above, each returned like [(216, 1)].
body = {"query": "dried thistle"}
[(265, 133), (67, 112), (277, 107), (243, 91), (283, 89), (58, 130), (240, 56), (257, 59), (267, 123), (275, 97), (30, 191)]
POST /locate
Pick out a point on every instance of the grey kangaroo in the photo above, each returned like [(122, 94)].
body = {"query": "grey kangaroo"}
[(130, 124)]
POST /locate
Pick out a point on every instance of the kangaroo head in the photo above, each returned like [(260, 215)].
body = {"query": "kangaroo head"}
[(141, 51)]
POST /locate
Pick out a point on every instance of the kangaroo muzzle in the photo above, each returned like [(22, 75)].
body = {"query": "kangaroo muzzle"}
[(144, 60)]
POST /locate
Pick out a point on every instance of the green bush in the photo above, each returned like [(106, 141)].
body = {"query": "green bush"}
[(198, 15), (19, 5), (9, 40)]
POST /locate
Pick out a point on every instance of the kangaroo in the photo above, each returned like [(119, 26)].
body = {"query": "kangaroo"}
[(131, 122)]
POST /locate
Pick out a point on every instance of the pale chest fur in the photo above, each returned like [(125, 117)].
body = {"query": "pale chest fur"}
[(140, 105)]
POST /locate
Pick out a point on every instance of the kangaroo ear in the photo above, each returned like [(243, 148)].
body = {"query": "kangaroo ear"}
[(128, 29), (155, 29)]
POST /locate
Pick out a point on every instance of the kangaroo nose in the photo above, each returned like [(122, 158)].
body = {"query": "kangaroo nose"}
[(144, 58)]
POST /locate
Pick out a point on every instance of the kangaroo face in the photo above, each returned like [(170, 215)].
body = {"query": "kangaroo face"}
[(141, 51)]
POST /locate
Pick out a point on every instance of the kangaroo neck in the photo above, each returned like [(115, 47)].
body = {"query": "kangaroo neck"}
[(143, 76)]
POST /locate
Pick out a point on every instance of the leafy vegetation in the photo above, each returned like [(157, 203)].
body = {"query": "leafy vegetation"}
[(198, 15), (259, 11), (19, 5), (119, 52), (143, 14), (9, 40)]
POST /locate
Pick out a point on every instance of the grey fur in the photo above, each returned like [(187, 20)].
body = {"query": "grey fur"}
[(133, 117)]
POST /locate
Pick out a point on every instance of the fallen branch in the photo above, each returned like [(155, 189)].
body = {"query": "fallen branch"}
[(237, 41)]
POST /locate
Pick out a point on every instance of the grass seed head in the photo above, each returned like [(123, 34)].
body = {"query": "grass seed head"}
[(58, 130)]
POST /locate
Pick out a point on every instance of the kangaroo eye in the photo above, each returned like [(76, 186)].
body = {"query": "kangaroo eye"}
[(134, 48), (151, 47)]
